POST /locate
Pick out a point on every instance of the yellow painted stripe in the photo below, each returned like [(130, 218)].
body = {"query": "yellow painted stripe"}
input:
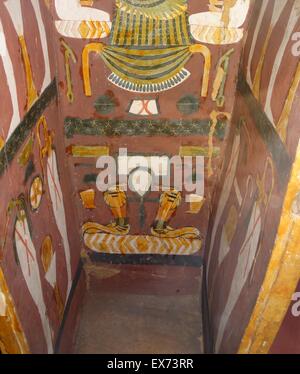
[(137, 29), (129, 30), (259, 69), (150, 31), (2, 142), (88, 151), (122, 30), (117, 29), (157, 34), (194, 151), (144, 31), (184, 28), (283, 122), (178, 30), (12, 337), (282, 275), (164, 33), (172, 33)]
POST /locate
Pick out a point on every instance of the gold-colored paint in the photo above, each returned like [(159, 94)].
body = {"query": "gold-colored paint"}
[(284, 118), (92, 47), (199, 48), (106, 27), (88, 199), (196, 204), (218, 92), (31, 90), (46, 148), (185, 33), (218, 35), (132, 244), (46, 253), (88, 151), (282, 275), (217, 82), (126, 61), (122, 33), (2, 143), (193, 151), (84, 29), (228, 4), (86, 2), (26, 152), (47, 3), (130, 27), (164, 31), (12, 338), (144, 33), (150, 31), (116, 200), (69, 55), (117, 25), (259, 69), (172, 34), (168, 204), (215, 5), (45, 141), (93, 29), (136, 35)]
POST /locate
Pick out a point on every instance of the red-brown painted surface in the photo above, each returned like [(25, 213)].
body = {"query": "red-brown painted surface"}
[(13, 184), (83, 108), (260, 145)]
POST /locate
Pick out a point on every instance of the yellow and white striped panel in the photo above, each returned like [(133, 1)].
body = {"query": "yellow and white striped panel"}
[(216, 35), (141, 244), (84, 29)]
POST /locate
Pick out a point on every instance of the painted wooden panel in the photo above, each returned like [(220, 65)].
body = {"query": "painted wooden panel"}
[(251, 220), (36, 258), (144, 89)]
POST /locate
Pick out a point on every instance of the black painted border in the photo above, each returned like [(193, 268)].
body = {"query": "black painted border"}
[(21, 133), (207, 333), (141, 259), (68, 306)]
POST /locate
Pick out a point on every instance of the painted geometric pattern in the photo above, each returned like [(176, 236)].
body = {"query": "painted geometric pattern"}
[(83, 29), (130, 244)]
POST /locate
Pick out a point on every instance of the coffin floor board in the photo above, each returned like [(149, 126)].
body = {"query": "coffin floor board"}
[(121, 323)]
